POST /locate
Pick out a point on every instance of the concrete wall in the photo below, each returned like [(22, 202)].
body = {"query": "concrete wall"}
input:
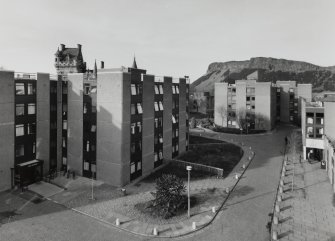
[(113, 128), (182, 115), (303, 91), (220, 101), (148, 124), (43, 120), (263, 106), (167, 118), (7, 131), (59, 123), (241, 101), (329, 119), (75, 123)]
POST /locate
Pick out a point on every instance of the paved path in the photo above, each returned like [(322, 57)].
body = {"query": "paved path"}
[(307, 212)]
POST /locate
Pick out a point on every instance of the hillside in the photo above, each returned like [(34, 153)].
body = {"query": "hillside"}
[(271, 69)]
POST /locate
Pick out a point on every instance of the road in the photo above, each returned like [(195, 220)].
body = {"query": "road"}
[(244, 216)]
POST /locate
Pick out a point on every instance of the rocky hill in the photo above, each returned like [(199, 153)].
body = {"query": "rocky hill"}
[(270, 69)]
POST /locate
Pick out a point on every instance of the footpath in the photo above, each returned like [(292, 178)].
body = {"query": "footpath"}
[(305, 204)]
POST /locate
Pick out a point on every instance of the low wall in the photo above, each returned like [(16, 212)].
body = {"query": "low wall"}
[(195, 166)]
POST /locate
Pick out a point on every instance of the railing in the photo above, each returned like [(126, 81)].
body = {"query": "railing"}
[(20, 75), (53, 77), (159, 79)]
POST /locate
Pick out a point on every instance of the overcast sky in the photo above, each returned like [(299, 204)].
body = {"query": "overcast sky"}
[(169, 37)]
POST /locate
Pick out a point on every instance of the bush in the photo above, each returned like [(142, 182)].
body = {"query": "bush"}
[(169, 196)]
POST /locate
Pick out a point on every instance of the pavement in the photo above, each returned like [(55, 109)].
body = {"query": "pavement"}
[(243, 216), (306, 205)]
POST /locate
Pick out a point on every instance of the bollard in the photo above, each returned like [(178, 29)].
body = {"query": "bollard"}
[(236, 176), (275, 219), (277, 208), (250, 148), (281, 183), (155, 232), (117, 222), (274, 235), (227, 189), (249, 158), (281, 190), (194, 227), (243, 166), (279, 198), (213, 210)]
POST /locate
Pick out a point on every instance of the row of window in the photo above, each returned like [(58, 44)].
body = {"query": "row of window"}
[(175, 148), (318, 118), (25, 129), (159, 89), (158, 106), (136, 147), (93, 108), (136, 109), (175, 89), (314, 132), (89, 147), (133, 167), (248, 98), (136, 89), (158, 156), (158, 139), (22, 109), (158, 122), (136, 127), (25, 88)]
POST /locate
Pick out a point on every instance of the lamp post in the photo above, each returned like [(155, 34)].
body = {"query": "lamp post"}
[(188, 168)]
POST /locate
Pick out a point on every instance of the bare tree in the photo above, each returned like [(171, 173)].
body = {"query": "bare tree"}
[(222, 111), (241, 118)]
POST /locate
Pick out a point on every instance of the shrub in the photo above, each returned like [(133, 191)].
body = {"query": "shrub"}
[(169, 196)]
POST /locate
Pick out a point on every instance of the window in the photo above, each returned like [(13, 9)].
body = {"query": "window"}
[(278, 90), (85, 108), (139, 108), (310, 118), (133, 89), (319, 132), (291, 90), (132, 128), (319, 118), (139, 146), (64, 124), (161, 105), (19, 130), (248, 107), (64, 160), (177, 89), (160, 155), (310, 132), (177, 147), (31, 128), (139, 165), (173, 89), (132, 109), (253, 107), (87, 146), (19, 150), (156, 122), (64, 142), (31, 89), (177, 132), (94, 109), (248, 98), (86, 165), (93, 89), (19, 109), (93, 128), (31, 109), (132, 167), (139, 127), (156, 157), (253, 98), (34, 147), (160, 121), (19, 88), (160, 138), (132, 148), (155, 140), (156, 89), (173, 119), (161, 89), (156, 106), (86, 89)]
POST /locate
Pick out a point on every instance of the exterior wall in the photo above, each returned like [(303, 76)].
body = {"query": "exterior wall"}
[(241, 102), (303, 123), (182, 115), (75, 123), (7, 130), (330, 161), (113, 128), (148, 125), (59, 123), (220, 101), (273, 106), (43, 120), (304, 91), (167, 118), (284, 103), (329, 118), (263, 106)]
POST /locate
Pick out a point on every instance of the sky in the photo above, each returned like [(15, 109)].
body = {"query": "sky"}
[(168, 37)]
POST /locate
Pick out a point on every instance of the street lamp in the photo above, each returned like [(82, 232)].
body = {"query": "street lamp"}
[(188, 168)]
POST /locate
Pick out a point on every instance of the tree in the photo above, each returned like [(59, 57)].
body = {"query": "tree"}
[(169, 196), (222, 111), (241, 118)]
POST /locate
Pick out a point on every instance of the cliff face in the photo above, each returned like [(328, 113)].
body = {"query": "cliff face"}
[(322, 78)]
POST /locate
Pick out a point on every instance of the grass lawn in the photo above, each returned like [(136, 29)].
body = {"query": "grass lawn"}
[(224, 156)]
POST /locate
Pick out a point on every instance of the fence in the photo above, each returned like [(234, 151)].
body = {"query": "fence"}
[(195, 166)]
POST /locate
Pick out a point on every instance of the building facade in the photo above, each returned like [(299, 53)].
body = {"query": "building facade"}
[(245, 101)]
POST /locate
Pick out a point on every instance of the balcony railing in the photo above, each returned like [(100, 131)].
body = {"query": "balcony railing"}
[(20, 75)]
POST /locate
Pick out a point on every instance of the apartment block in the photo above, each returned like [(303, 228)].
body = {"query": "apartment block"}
[(245, 101), (30, 144)]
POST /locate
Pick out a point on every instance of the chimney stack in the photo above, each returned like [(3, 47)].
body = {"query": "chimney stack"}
[(62, 47), (102, 65)]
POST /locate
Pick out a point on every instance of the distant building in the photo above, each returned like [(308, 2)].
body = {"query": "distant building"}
[(69, 60)]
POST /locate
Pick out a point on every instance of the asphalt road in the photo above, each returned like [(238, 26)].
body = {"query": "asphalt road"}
[(244, 217)]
